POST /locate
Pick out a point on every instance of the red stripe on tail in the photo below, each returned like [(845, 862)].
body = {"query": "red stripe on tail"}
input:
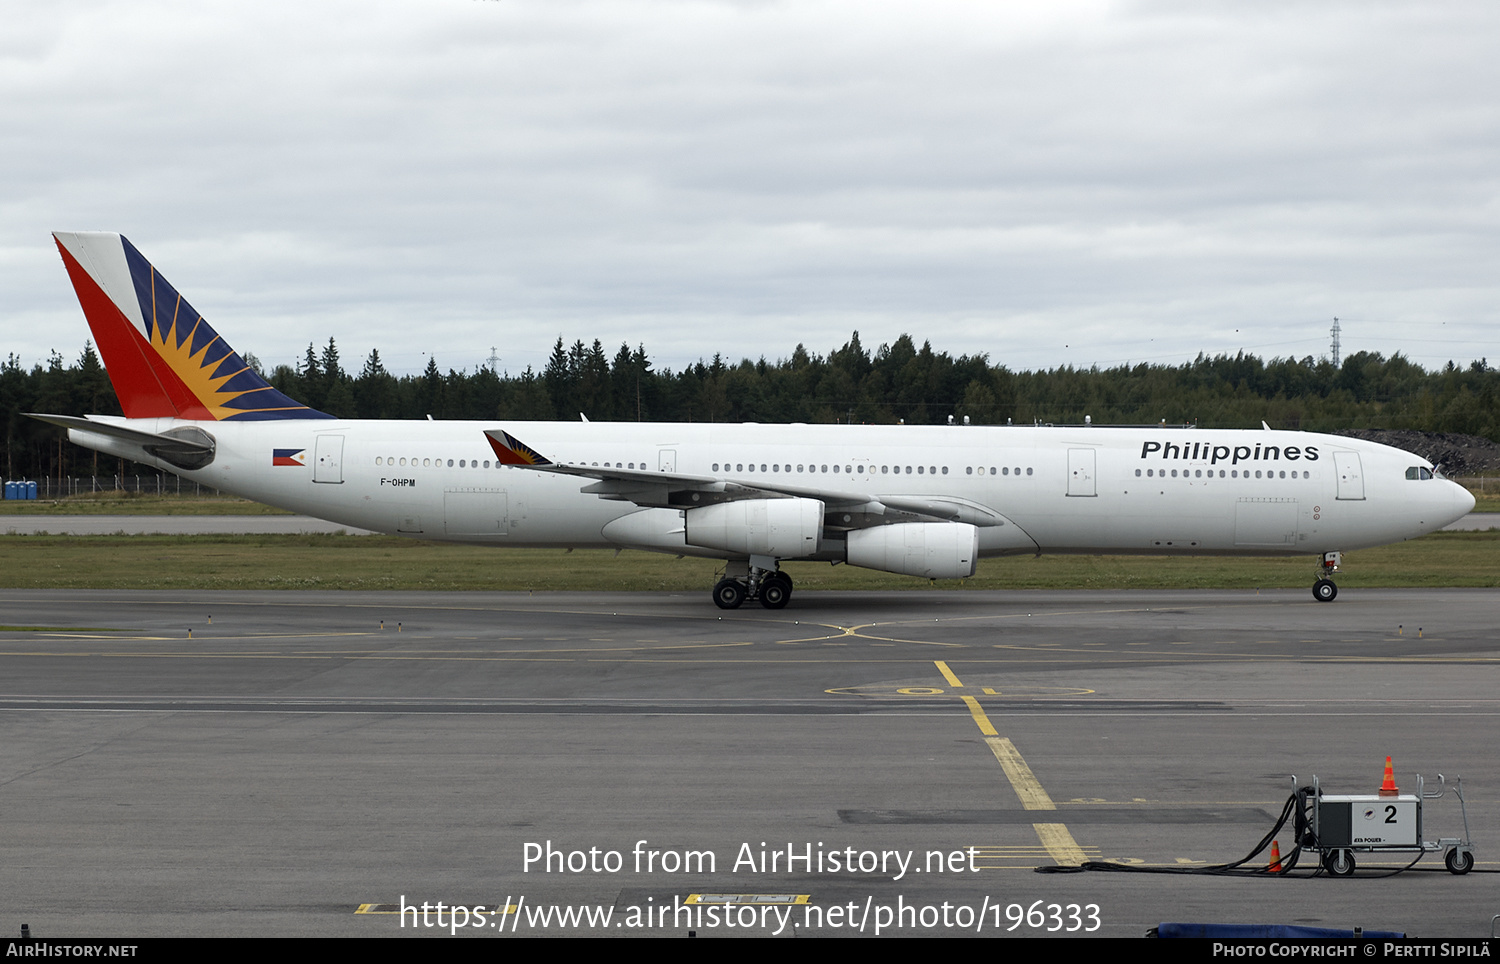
[(145, 385)]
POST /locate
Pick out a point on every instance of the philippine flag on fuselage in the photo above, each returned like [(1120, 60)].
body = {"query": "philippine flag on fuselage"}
[(289, 457)]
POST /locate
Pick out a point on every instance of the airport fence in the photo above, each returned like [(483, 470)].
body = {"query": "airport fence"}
[(148, 484)]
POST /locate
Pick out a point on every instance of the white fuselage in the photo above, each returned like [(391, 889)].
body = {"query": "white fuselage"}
[(1058, 489)]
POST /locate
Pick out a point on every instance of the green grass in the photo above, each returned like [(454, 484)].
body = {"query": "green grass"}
[(386, 563), (133, 503)]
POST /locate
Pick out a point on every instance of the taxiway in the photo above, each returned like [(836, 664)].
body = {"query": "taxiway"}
[(276, 763)]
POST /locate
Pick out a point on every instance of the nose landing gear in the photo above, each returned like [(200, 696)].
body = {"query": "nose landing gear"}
[(1324, 589)]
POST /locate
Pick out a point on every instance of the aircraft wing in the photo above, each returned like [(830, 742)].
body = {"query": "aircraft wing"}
[(844, 508)]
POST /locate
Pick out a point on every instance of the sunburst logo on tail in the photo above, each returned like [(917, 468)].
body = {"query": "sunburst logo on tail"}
[(217, 376), (163, 358)]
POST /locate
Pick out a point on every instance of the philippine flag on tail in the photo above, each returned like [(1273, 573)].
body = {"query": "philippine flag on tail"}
[(289, 457)]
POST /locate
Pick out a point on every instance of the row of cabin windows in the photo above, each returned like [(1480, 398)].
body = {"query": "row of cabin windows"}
[(472, 463), (1233, 473), (433, 463), (861, 470), (738, 467)]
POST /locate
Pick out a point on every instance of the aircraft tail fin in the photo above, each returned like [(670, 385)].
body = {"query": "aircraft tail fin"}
[(163, 358)]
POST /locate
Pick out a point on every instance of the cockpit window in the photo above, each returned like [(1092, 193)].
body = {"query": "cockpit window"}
[(1418, 472)]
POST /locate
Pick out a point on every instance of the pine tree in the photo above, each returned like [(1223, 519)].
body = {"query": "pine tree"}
[(310, 379)]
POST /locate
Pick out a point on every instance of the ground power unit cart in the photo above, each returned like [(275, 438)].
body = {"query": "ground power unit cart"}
[(1336, 827)]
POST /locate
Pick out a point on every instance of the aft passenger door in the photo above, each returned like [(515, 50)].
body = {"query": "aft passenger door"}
[(328, 459)]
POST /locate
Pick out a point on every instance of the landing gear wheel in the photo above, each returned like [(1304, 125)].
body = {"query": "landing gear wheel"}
[(1459, 862), (729, 593), (1325, 591), (1339, 863), (775, 593), (781, 594)]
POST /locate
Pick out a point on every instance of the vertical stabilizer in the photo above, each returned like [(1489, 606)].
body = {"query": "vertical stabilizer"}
[(163, 358)]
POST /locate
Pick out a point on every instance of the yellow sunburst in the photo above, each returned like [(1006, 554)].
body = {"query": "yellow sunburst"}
[(191, 366)]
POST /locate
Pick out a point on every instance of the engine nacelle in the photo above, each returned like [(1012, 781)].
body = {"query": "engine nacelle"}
[(783, 528), (936, 550)]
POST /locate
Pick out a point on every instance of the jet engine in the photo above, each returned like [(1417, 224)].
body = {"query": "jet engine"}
[(937, 550), (781, 528)]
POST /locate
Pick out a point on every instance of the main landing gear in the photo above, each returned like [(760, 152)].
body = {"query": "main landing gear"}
[(1324, 589), (771, 586)]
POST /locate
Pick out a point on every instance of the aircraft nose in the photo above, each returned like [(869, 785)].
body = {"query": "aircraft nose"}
[(1463, 501), (1453, 504)]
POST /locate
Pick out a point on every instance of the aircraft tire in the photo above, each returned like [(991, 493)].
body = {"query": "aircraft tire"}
[(775, 593), (729, 594), (1324, 590)]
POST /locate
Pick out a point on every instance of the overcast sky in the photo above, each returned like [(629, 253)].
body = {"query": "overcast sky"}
[(1048, 183)]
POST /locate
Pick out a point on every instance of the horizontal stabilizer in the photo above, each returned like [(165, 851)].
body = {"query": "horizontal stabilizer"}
[(187, 447)]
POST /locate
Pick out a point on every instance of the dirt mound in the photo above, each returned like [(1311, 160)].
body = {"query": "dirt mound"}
[(1459, 455)]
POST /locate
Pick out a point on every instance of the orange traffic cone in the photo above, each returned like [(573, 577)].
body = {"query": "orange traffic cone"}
[(1275, 867), (1388, 786)]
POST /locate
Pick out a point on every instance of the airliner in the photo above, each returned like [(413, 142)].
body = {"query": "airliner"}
[(920, 501)]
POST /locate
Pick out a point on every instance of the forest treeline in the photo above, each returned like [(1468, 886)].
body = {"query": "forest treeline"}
[(896, 382)]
